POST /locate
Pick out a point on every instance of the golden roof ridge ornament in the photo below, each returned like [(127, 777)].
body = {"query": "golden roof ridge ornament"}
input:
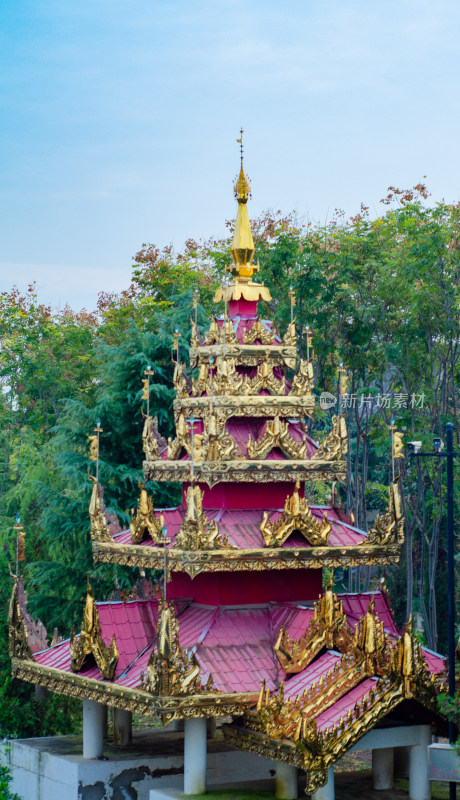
[(296, 516), (144, 521), (242, 249)]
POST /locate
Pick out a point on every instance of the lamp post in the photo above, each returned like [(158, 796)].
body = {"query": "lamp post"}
[(449, 455)]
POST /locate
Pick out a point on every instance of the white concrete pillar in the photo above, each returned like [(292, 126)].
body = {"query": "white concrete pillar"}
[(285, 781), (419, 784), (382, 768), (326, 792), (122, 726), (93, 729), (195, 756)]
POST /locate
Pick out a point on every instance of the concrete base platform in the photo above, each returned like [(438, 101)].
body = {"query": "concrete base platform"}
[(53, 768)]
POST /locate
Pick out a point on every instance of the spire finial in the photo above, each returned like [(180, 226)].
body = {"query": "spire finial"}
[(240, 142)]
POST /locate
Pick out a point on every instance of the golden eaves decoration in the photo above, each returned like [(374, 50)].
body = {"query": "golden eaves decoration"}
[(172, 671), (327, 628), (258, 332), (196, 531), (295, 517), (18, 643), (90, 642), (334, 446), (276, 434), (180, 379), (388, 527), (98, 515), (303, 381), (246, 355), (144, 521)]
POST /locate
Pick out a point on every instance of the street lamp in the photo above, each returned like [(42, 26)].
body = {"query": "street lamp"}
[(449, 455)]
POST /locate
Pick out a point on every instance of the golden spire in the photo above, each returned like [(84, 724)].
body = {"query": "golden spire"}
[(242, 248)]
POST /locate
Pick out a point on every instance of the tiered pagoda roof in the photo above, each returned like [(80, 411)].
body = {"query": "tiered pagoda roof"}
[(238, 627)]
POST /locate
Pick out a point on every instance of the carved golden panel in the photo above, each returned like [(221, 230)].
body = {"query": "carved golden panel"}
[(295, 517), (90, 642)]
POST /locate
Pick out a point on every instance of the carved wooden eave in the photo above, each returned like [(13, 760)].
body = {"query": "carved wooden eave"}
[(246, 355), (248, 406), (91, 643), (144, 521), (193, 562), (246, 471), (296, 516)]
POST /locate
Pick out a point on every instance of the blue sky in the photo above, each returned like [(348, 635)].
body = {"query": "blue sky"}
[(119, 120)]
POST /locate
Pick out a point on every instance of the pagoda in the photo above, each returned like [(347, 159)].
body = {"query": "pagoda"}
[(242, 626)]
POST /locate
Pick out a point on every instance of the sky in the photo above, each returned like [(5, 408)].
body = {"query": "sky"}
[(119, 121)]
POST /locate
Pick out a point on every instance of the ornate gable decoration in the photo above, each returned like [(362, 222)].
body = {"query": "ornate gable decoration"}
[(197, 532), (388, 527), (171, 671), (258, 332), (335, 444), (276, 434), (214, 444), (144, 521), (264, 379), (295, 517), (90, 642), (327, 628)]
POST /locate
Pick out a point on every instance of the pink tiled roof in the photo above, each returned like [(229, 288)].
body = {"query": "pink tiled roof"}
[(235, 644), (341, 707), (242, 526)]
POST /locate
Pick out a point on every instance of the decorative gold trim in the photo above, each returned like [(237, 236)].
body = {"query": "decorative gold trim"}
[(144, 521), (171, 671), (90, 642), (254, 292), (221, 334), (152, 439), (276, 434), (290, 338), (180, 379), (334, 446), (295, 517)]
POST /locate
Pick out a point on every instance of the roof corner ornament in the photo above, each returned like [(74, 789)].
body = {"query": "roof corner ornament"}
[(91, 643), (388, 527), (334, 446), (100, 531)]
